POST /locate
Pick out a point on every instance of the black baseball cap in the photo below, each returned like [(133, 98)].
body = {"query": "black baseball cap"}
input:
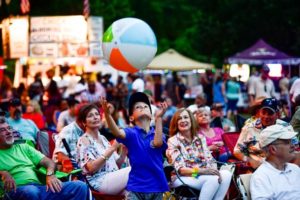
[(2, 112), (137, 97), (217, 106), (15, 102), (271, 104)]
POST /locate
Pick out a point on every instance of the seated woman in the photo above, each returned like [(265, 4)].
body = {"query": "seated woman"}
[(213, 135), (189, 154), (97, 157), (33, 112)]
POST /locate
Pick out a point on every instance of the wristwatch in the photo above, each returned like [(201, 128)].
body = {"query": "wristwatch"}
[(49, 173)]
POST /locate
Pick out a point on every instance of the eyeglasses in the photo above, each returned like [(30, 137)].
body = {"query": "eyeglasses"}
[(293, 141), (8, 128)]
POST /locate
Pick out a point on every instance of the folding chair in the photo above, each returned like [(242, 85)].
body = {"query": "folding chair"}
[(183, 191), (241, 167), (230, 140), (97, 195), (243, 182), (46, 142)]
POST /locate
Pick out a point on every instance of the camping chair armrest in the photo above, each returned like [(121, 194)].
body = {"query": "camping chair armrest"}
[(60, 174)]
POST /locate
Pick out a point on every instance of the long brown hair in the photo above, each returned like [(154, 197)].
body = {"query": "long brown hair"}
[(174, 125)]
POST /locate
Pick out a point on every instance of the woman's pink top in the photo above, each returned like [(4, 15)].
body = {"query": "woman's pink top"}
[(217, 138)]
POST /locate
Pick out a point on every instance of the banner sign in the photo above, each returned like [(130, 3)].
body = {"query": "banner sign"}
[(58, 29)]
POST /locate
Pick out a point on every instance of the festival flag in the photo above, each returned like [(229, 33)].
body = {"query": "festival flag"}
[(25, 6), (86, 8)]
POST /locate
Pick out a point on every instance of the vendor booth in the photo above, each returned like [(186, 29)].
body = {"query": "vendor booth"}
[(41, 43), (258, 54)]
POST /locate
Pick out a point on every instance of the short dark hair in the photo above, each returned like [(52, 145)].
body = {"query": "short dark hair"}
[(15, 102), (72, 101), (297, 100), (84, 110)]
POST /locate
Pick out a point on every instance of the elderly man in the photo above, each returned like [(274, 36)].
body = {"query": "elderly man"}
[(71, 134), (269, 115), (19, 179), (276, 178), (27, 128)]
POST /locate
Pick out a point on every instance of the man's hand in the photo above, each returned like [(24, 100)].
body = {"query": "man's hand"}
[(53, 183), (162, 109), (8, 182)]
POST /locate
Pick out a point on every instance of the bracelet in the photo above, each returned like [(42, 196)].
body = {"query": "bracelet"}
[(195, 172), (104, 157)]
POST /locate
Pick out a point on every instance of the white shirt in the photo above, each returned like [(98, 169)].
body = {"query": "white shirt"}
[(262, 88), (269, 183), (64, 119), (295, 89), (138, 85)]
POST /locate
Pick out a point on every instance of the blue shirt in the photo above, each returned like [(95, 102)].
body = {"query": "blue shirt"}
[(25, 127), (218, 96), (146, 161)]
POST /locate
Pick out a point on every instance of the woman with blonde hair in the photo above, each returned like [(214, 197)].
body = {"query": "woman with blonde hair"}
[(34, 113), (213, 135), (189, 154)]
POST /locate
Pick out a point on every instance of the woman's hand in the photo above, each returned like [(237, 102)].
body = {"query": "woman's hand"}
[(214, 147), (210, 171), (115, 145)]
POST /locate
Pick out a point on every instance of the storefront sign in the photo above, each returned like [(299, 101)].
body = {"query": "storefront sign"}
[(58, 29), (15, 37), (44, 50), (95, 29)]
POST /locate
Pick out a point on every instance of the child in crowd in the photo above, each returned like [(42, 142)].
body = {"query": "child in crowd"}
[(145, 148)]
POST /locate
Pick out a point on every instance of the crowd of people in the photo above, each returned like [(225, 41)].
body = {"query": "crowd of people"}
[(122, 135)]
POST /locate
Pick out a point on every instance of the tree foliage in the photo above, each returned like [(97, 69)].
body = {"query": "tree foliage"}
[(208, 31)]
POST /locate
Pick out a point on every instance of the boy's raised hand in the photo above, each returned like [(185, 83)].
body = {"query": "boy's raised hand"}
[(162, 109), (107, 107)]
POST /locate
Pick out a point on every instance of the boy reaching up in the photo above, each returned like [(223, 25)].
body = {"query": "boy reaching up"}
[(145, 146)]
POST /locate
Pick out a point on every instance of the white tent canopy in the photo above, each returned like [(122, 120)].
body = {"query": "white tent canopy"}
[(174, 61)]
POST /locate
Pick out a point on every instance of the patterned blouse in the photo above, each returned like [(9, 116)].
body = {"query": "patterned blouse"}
[(181, 153), (89, 149)]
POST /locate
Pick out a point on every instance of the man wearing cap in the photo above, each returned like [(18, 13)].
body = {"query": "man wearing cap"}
[(262, 86), (276, 178), (217, 112), (27, 128), (268, 115)]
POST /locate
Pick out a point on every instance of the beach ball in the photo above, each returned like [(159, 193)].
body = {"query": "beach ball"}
[(129, 44)]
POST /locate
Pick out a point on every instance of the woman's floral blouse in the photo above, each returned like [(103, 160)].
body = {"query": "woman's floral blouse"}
[(89, 149), (181, 153)]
